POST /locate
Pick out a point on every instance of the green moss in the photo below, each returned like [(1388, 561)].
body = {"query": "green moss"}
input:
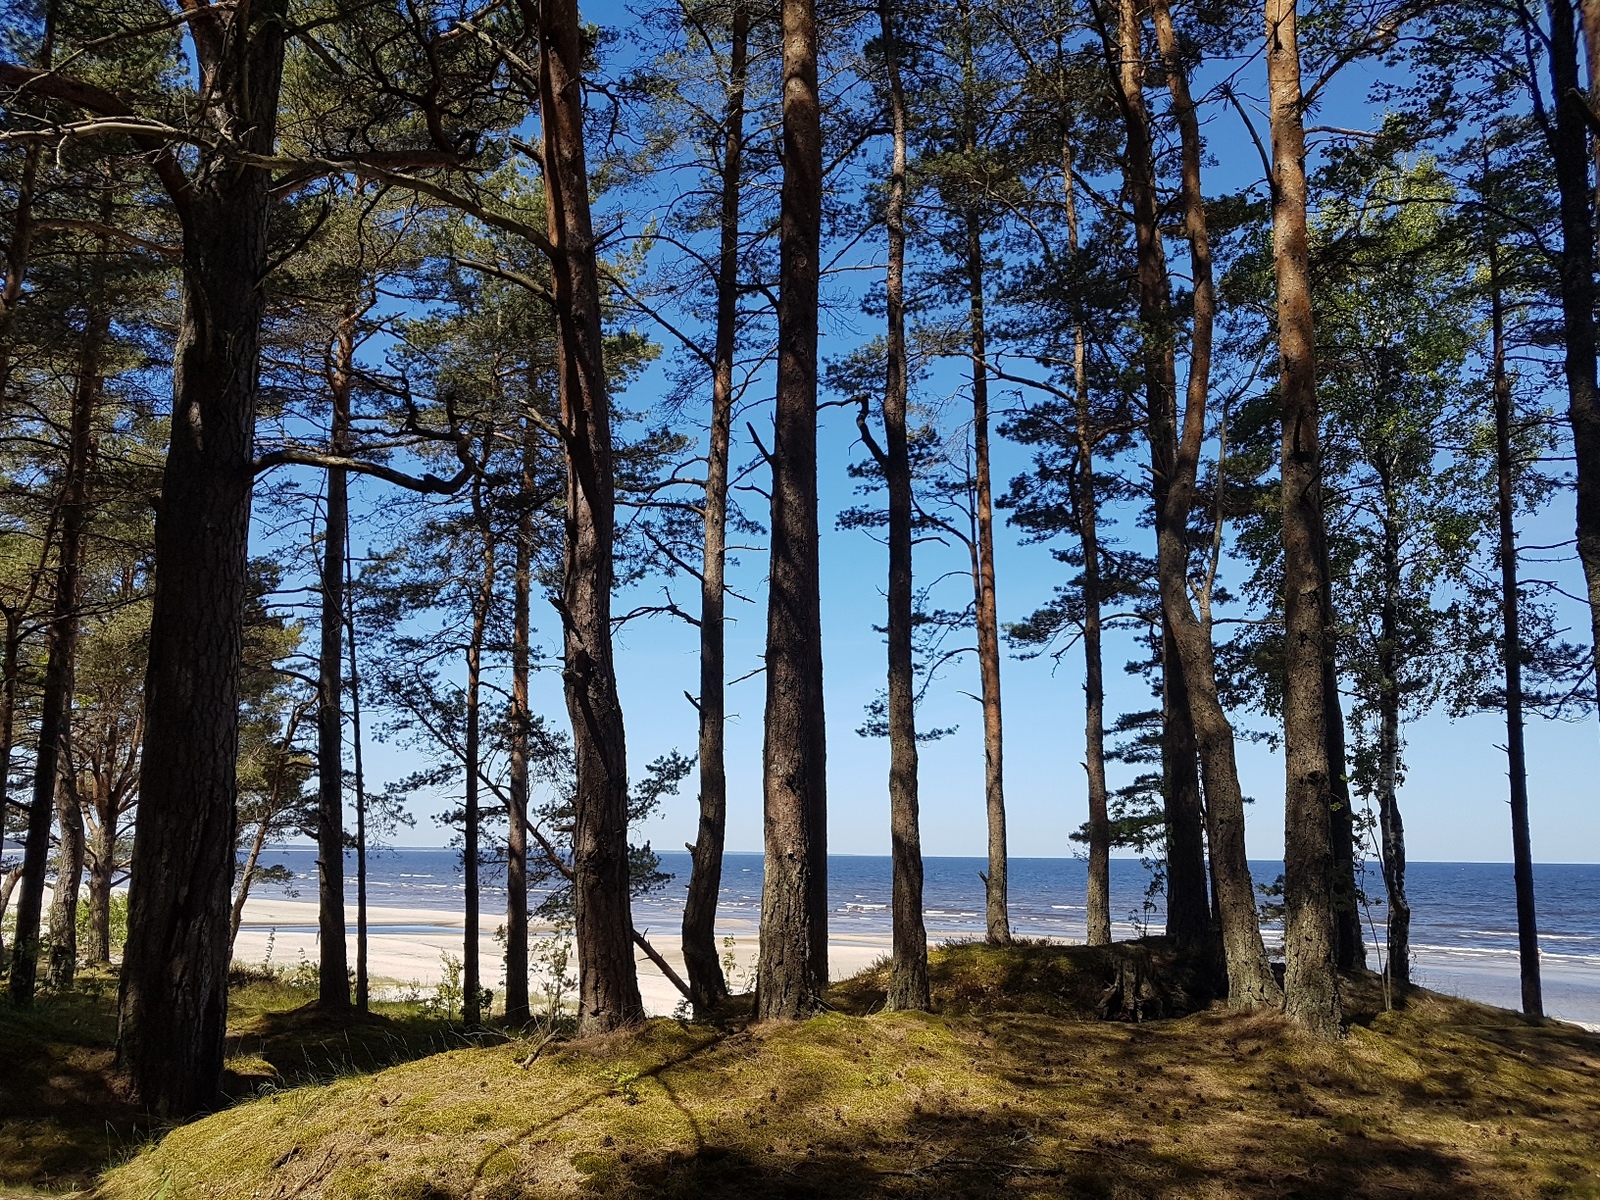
[(1012, 1087)]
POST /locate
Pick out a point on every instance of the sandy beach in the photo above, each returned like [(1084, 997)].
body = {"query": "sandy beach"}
[(405, 945)]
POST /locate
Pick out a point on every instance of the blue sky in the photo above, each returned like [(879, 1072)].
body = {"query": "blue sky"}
[(1454, 799)]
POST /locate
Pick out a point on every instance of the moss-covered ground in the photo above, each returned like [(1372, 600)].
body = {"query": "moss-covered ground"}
[(1013, 1088), (64, 1116)]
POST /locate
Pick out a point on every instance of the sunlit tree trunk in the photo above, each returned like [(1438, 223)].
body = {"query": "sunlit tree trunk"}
[(516, 1007), (1311, 983)]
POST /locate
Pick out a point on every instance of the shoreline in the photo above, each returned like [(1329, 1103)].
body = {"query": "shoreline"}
[(405, 945)]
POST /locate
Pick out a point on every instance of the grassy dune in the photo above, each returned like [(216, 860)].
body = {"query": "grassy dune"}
[(1013, 1087)]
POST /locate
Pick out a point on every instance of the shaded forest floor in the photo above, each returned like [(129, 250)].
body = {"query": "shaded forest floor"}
[(1015, 1086)]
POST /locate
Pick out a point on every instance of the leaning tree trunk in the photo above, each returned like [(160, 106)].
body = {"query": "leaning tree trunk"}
[(1511, 654), (55, 715), (1311, 981), (1098, 902), (792, 972), (516, 1006), (908, 975), (1570, 149), (174, 996), (333, 983), (706, 983), (1190, 660), (608, 981)]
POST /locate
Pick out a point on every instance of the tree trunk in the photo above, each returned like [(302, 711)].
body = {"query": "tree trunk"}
[(1098, 904), (1569, 145), (792, 973), (516, 1007), (1391, 830), (55, 705), (471, 973), (174, 996), (997, 914), (333, 983), (70, 853), (908, 976), (1511, 653), (19, 246), (608, 982), (10, 664), (362, 995), (1191, 667), (102, 871), (1350, 952), (706, 983), (1311, 981)]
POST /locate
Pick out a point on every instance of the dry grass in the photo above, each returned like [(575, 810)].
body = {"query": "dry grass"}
[(1446, 1099)]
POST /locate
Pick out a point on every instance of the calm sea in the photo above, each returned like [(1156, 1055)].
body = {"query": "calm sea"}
[(1463, 914)]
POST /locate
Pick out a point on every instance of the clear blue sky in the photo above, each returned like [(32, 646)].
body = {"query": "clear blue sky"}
[(1454, 798)]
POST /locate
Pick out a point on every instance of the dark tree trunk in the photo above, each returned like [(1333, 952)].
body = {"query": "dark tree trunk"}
[(706, 983), (908, 977), (793, 968), (608, 982), (1569, 145), (55, 716), (997, 913), (1311, 982), (516, 1007), (362, 996), (1391, 830), (1511, 653), (1350, 952), (483, 599), (174, 996), (333, 983), (1098, 903), (1189, 914), (9, 666)]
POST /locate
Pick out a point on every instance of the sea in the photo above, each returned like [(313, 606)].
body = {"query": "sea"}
[(1463, 929)]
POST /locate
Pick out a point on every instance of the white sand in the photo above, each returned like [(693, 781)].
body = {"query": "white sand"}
[(411, 954)]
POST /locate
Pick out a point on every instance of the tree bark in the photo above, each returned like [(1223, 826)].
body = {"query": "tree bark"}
[(997, 914), (517, 1010), (908, 975), (333, 984), (1196, 722), (1310, 978), (1098, 901), (483, 599), (706, 983), (1391, 829), (1350, 952), (174, 993), (55, 705), (608, 983), (1569, 145), (70, 850), (792, 971), (362, 996), (102, 871), (1511, 653)]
